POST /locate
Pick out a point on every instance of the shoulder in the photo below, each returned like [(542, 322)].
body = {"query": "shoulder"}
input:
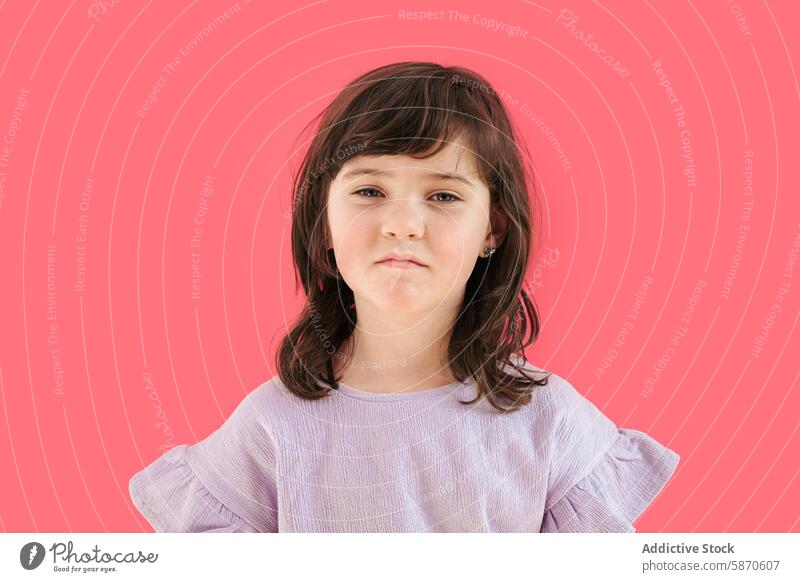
[(249, 428), (273, 408), (265, 401), (567, 423), (566, 403), (558, 399)]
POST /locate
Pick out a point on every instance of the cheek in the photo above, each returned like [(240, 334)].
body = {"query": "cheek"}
[(456, 237), (353, 238), (341, 221), (454, 248)]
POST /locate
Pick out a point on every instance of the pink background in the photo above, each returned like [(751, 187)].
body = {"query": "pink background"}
[(95, 377)]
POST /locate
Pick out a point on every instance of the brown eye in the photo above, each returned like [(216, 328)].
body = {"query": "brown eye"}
[(370, 190), (453, 198)]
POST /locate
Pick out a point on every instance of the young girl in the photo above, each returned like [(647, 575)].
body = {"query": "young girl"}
[(403, 400)]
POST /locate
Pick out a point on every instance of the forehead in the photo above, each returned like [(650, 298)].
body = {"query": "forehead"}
[(454, 159)]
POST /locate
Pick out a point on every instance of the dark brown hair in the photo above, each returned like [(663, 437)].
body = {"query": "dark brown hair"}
[(416, 109)]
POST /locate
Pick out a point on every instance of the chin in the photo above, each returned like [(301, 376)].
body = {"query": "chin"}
[(403, 303)]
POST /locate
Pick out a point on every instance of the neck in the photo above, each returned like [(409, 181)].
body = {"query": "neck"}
[(391, 353)]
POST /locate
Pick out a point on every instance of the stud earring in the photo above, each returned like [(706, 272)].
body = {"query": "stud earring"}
[(488, 252)]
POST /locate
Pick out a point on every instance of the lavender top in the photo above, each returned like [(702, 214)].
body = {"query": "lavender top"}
[(359, 461)]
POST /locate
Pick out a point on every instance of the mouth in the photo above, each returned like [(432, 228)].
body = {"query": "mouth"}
[(400, 264)]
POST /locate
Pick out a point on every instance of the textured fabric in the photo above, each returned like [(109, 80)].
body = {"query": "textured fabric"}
[(359, 461), (617, 490)]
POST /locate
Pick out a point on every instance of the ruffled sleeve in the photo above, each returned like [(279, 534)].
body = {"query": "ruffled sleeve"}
[(172, 498), (224, 483), (618, 490), (602, 477)]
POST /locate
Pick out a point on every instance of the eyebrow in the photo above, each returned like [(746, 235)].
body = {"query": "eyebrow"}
[(435, 173)]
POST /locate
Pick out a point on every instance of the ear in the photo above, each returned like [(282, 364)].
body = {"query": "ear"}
[(498, 229)]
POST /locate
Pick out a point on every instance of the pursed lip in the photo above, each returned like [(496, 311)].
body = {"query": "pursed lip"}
[(409, 258)]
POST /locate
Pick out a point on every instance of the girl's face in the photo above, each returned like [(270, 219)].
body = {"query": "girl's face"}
[(435, 211)]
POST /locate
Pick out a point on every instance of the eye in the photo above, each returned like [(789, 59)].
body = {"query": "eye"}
[(359, 191), (453, 198), (369, 191)]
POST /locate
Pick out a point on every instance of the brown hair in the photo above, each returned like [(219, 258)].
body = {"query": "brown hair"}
[(416, 109)]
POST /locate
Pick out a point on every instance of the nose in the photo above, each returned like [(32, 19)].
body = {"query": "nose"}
[(402, 218)]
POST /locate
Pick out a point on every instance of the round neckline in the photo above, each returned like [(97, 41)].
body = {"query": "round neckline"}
[(354, 392)]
